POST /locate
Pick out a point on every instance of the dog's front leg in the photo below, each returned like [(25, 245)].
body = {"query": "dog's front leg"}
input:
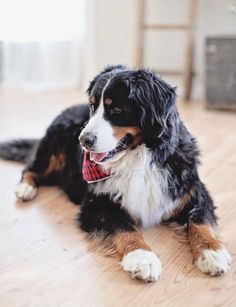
[(209, 255), (136, 256), (100, 216)]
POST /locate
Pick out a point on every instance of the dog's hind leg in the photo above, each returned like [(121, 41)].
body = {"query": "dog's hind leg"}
[(41, 170)]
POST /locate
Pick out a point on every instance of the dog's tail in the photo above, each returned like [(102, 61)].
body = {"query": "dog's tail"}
[(17, 150)]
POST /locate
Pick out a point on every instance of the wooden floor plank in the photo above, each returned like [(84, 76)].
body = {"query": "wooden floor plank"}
[(45, 260)]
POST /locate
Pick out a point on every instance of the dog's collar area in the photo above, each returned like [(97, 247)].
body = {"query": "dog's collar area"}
[(93, 172)]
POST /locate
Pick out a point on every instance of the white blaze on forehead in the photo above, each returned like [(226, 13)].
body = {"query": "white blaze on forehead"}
[(101, 128)]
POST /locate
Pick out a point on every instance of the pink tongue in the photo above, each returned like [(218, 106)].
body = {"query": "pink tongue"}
[(96, 157)]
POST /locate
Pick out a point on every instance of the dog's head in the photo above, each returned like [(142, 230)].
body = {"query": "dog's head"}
[(127, 108)]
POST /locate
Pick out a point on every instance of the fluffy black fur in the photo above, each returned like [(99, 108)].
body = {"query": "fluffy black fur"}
[(145, 101), (100, 214)]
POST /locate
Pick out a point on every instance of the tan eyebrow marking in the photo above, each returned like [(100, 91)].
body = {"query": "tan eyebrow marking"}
[(108, 101), (92, 100)]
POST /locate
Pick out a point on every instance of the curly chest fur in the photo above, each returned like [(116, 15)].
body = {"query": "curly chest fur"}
[(140, 186)]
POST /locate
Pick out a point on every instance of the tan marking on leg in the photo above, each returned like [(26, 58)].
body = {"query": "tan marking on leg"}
[(56, 164), (202, 237), (29, 177), (120, 132), (125, 242)]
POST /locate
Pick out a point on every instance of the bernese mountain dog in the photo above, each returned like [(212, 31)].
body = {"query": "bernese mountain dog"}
[(130, 162)]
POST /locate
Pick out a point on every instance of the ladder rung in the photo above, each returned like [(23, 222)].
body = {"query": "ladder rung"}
[(165, 27), (170, 72)]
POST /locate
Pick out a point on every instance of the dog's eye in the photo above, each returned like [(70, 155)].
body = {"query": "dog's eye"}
[(115, 111)]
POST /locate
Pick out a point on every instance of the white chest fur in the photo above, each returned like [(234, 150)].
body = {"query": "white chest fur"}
[(142, 187)]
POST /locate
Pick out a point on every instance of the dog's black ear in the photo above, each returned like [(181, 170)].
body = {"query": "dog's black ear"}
[(155, 100), (108, 69)]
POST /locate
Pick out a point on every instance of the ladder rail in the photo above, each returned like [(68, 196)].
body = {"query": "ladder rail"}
[(139, 53)]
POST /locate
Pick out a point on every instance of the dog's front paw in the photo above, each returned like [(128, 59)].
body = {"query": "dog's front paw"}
[(142, 264), (25, 191), (214, 263)]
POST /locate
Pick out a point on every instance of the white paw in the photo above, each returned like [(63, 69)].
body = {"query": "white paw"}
[(25, 191), (214, 263), (142, 264)]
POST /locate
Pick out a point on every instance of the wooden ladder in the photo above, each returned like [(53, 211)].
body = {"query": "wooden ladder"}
[(187, 71)]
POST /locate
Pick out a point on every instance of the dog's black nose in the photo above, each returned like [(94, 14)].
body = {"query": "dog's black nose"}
[(87, 140)]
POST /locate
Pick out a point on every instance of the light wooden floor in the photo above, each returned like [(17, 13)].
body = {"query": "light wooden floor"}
[(45, 259)]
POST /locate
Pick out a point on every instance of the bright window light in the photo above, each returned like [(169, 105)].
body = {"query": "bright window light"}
[(42, 20)]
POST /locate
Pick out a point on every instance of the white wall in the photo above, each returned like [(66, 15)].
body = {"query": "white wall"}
[(115, 31), (111, 31)]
